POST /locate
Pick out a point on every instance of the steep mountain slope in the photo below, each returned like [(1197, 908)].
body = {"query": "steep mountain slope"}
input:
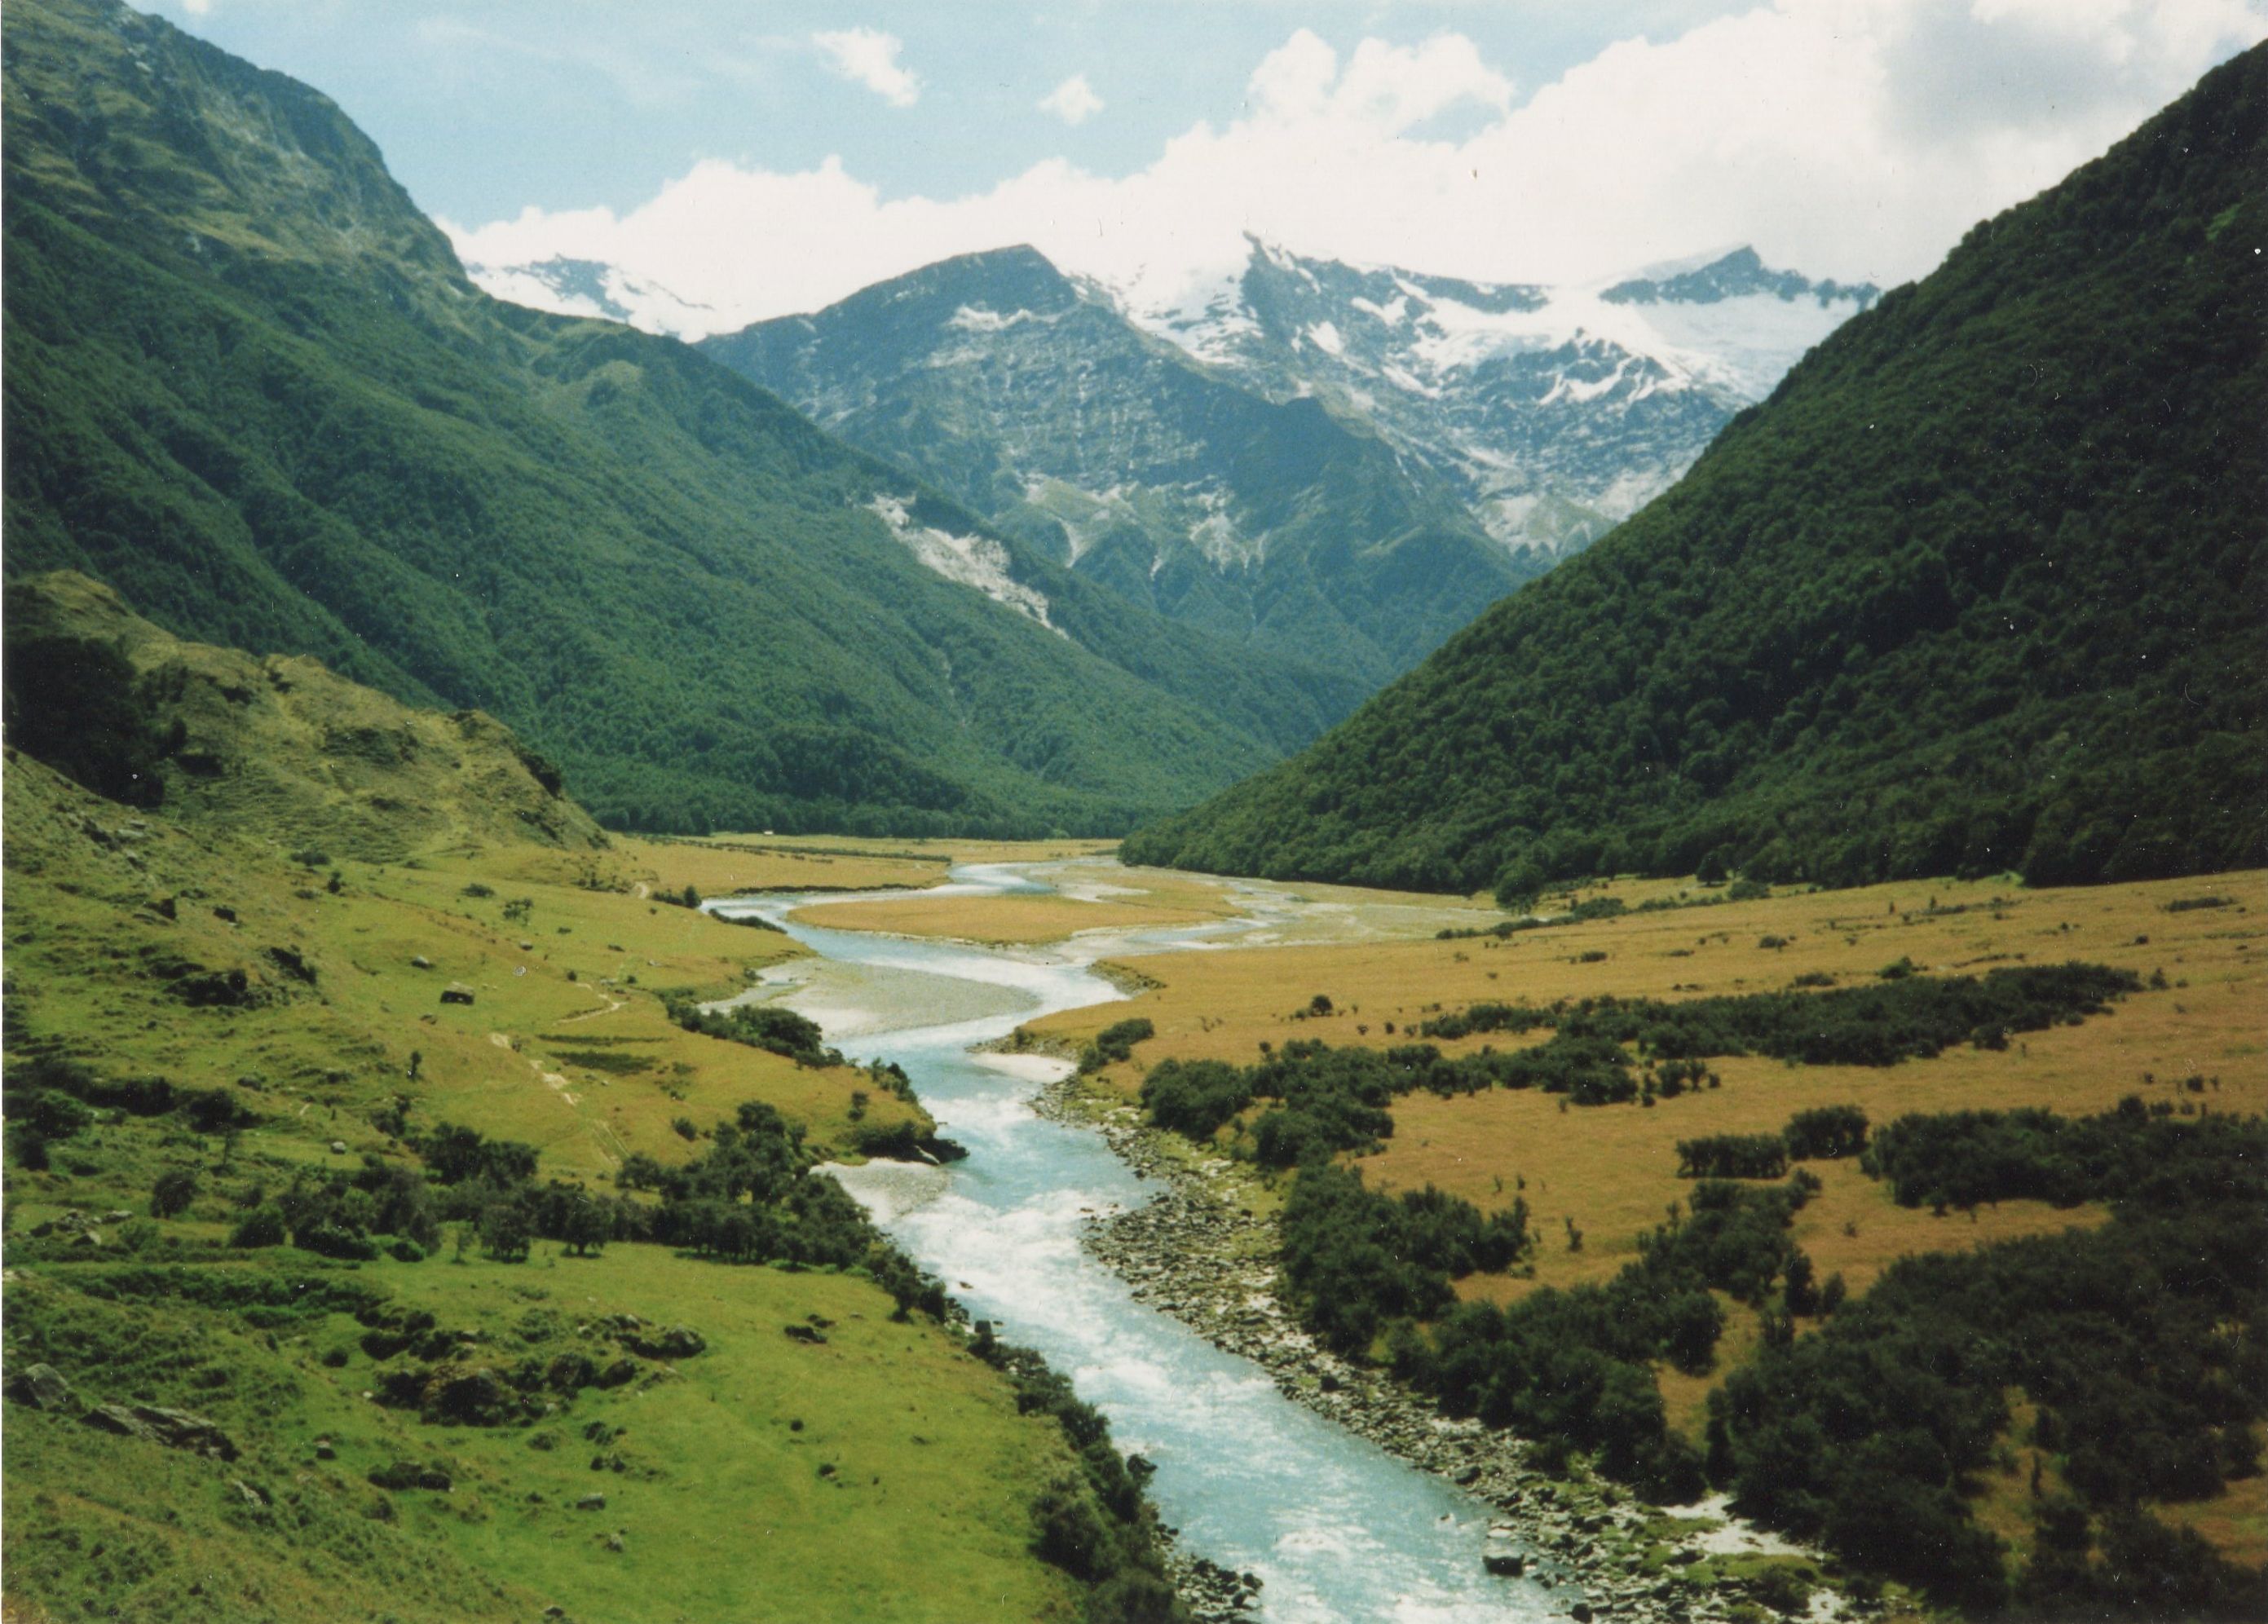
[(281, 745), (248, 386), (1554, 413), (1979, 587), (1033, 400)]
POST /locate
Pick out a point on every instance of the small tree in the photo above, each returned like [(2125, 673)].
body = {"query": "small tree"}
[(173, 1192), (503, 1233), (588, 1228)]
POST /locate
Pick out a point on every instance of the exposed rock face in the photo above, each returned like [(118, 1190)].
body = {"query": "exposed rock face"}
[(1554, 413)]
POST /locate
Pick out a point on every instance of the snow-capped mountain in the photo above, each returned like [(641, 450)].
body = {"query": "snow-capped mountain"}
[(1554, 410), (1028, 396), (1342, 463), (578, 287)]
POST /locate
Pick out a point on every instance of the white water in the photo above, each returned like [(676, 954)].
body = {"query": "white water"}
[(1340, 1532)]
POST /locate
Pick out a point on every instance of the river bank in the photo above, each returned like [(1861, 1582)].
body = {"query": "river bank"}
[(1195, 1252)]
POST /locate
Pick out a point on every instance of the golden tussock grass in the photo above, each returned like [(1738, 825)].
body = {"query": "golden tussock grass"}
[(1612, 1171)]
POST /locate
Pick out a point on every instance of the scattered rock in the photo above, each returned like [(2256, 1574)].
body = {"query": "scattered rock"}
[(591, 1502), (456, 993), (338, 1147), (804, 1333), (1504, 1566)]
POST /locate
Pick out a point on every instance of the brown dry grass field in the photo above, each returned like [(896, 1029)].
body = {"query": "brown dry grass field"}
[(1612, 1172)]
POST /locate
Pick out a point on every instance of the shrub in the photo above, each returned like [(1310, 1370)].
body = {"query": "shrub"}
[(171, 1194), (1733, 1156), (263, 1226)]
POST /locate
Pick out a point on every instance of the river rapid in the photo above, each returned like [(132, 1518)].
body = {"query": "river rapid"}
[(1338, 1531)]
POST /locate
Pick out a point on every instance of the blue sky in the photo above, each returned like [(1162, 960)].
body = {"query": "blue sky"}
[(762, 157), (485, 105)]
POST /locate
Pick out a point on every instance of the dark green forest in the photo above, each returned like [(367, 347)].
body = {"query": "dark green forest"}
[(248, 386), (1979, 588)]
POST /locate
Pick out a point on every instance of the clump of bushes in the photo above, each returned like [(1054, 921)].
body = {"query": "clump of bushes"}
[(1115, 1043)]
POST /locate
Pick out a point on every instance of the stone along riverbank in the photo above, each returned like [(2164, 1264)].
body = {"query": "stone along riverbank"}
[(1197, 1252)]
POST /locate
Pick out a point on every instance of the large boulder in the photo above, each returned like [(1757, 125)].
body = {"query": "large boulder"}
[(42, 1387), (178, 1429), (668, 1342)]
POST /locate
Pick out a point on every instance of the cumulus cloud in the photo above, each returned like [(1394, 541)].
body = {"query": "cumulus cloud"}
[(869, 57), (1851, 138), (1073, 101)]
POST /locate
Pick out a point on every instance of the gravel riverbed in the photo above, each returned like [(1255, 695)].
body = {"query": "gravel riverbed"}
[(1197, 1252)]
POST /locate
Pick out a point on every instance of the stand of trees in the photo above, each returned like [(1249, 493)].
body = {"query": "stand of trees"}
[(2141, 1343), (1908, 1017)]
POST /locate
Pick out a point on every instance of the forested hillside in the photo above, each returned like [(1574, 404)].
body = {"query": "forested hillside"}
[(248, 386), (1978, 587)]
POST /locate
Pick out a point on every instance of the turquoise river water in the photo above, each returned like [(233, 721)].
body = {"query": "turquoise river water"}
[(1337, 1530)]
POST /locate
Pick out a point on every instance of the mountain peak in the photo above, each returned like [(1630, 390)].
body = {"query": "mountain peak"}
[(1739, 273), (1000, 280)]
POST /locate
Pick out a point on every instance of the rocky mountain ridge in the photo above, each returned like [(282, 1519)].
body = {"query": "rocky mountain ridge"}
[(1554, 413), (1028, 396)]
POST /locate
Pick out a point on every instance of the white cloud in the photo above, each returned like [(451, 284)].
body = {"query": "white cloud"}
[(1073, 101), (869, 57), (1851, 138)]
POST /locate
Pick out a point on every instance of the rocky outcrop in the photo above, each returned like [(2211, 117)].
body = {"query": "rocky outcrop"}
[(666, 1342), (153, 1423)]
